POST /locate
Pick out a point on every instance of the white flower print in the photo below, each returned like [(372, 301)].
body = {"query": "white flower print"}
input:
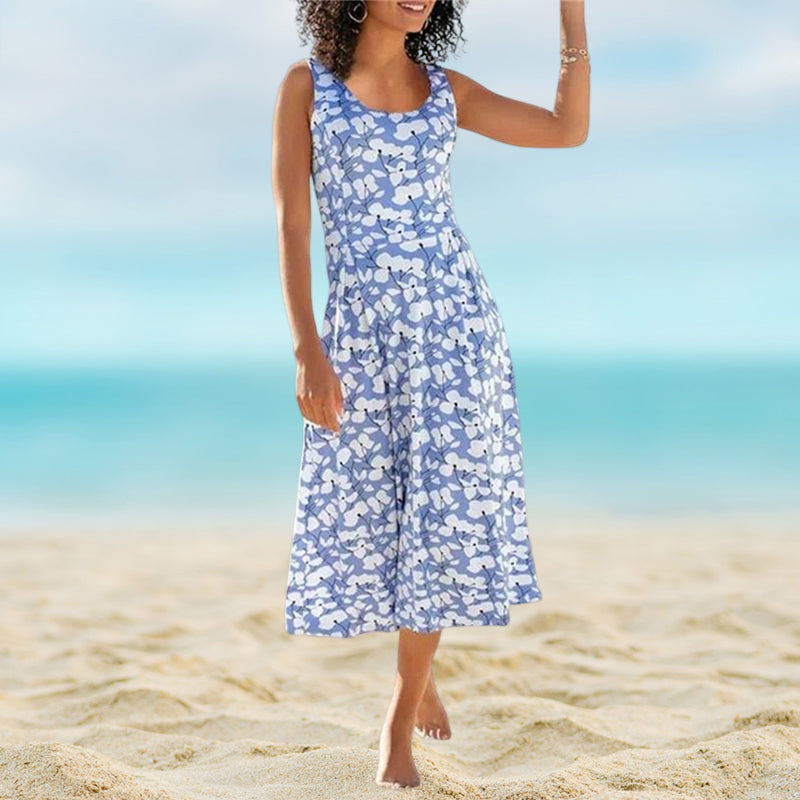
[(413, 514)]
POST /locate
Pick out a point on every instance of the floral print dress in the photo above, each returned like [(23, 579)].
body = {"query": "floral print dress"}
[(413, 513)]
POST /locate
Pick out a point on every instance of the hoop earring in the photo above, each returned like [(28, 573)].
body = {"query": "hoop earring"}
[(356, 19)]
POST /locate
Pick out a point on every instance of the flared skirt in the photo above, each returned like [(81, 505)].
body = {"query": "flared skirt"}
[(413, 514)]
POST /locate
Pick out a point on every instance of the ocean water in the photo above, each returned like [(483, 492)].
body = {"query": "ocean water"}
[(222, 441)]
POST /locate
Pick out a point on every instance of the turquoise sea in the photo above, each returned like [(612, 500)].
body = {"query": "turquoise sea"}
[(221, 442)]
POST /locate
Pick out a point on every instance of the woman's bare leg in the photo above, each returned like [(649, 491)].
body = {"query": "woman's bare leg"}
[(432, 719), (414, 658)]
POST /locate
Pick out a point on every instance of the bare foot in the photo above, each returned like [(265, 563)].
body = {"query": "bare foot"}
[(432, 720), (395, 763)]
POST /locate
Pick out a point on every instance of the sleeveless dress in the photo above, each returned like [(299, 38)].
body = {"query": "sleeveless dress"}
[(412, 514)]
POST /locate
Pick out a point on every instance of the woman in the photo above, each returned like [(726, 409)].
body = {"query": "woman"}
[(411, 510)]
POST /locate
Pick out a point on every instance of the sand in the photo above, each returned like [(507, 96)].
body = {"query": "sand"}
[(662, 662)]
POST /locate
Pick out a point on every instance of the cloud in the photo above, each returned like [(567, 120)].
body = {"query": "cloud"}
[(142, 116), (157, 116), (679, 66)]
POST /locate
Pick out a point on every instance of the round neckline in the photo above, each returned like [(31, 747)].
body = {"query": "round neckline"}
[(369, 109)]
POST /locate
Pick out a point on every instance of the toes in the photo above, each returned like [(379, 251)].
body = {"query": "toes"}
[(431, 732)]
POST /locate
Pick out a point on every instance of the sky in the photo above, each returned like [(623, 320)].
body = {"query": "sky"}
[(137, 221)]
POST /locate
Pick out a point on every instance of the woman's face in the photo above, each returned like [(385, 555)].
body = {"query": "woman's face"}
[(402, 15)]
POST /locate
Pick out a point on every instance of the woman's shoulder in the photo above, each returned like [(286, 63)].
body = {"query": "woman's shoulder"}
[(297, 84), (299, 72)]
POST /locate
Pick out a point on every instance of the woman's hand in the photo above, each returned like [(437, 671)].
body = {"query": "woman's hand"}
[(318, 389)]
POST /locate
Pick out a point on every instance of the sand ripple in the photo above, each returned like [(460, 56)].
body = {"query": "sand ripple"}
[(664, 662)]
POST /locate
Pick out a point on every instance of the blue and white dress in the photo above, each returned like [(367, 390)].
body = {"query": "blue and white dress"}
[(413, 514)]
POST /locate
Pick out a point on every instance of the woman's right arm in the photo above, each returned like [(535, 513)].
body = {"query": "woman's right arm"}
[(318, 389)]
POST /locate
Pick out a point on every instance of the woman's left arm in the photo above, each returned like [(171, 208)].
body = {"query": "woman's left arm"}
[(524, 124)]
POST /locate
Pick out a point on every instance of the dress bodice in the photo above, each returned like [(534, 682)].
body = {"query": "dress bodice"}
[(381, 177)]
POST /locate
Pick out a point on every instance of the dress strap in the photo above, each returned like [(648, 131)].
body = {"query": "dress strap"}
[(327, 91), (440, 85), (313, 69)]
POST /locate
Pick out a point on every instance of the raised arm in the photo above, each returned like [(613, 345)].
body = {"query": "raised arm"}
[(524, 124)]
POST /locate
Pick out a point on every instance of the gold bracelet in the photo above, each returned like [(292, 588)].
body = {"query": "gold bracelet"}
[(567, 58)]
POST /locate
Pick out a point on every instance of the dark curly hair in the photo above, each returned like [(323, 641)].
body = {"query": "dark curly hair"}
[(335, 33)]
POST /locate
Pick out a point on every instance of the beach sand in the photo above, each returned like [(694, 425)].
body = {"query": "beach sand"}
[(663, 661)]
